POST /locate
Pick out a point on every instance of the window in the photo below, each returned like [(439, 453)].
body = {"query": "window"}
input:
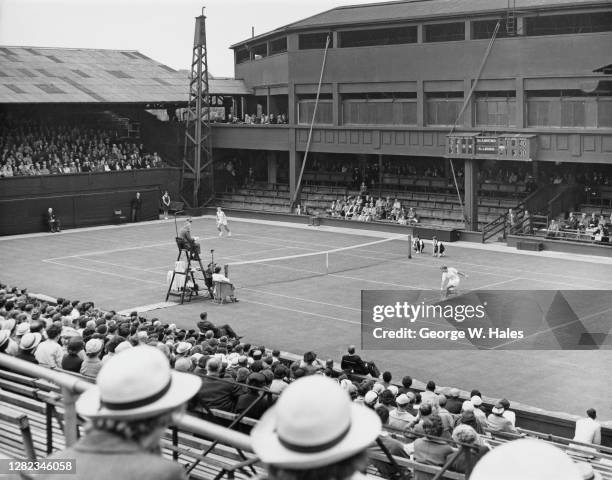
[(278, 46), (604, 112), (259, 51), (315, 41), (306, 109), (569, 24), (483, 29), (445, 32), (540, 112), (495, 110), (381, 36), (49, 88), (14, 88), (572, 113), (82, 73), (379, 109), (119, 73), (242, 55), (443, 109)]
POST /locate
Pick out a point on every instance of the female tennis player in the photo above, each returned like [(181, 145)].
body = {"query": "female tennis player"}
[(222, 223), (450, 280)]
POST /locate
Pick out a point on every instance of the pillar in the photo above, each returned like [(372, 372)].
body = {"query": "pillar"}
[(471, 194), (295, 164), (272, 167)]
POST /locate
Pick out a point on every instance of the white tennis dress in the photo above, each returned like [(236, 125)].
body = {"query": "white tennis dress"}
[(450, 278)]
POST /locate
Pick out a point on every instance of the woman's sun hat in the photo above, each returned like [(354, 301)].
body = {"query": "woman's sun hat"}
[(313, 424), (137, 383)]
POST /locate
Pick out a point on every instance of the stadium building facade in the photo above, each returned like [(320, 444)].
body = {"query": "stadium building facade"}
[(395, 77)]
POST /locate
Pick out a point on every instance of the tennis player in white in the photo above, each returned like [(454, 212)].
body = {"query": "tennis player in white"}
[(222, 223), (450, 280)]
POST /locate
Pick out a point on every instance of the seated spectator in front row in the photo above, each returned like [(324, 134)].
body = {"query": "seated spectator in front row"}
[(497, 422), (54, 223), (353, 363), (467, 435), (315, 432), (588, 429), (431, 451), (129, 423), (218, 277)]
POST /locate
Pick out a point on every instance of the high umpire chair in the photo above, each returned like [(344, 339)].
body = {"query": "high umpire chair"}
[(193, 264)]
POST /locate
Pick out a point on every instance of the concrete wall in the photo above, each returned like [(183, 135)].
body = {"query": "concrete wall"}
[(81, 199)]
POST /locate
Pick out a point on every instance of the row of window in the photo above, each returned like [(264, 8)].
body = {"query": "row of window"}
[(488, 112), (439, 32)]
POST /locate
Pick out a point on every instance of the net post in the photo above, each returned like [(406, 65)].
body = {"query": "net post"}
[(410, 246), (326, 263)]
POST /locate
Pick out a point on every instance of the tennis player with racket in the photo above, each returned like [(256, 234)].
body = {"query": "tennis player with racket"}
[(222, 223)]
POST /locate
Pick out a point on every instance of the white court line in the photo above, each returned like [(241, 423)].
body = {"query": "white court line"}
[(483, 287), (361, 279), (113, 264), (513, 270), (53, 262), (304, 312), (124, 249), (553, 328), (301, 299), (102, 252)]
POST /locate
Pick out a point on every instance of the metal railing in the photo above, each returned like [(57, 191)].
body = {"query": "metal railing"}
[(72, 387)]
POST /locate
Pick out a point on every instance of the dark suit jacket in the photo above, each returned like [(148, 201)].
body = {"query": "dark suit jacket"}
[(101, 455), (219, 393), (354, 363)]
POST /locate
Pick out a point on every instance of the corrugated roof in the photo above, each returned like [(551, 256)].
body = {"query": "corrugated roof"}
[(62, 75), (417, 10)]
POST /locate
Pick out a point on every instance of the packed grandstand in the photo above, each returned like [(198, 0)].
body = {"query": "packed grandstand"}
[(238, 382)]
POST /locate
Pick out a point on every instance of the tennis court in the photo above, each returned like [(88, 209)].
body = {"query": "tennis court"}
[(306, 295)]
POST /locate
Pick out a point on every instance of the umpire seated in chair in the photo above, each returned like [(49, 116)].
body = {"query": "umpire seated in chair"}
[(223, 287), (191, 242)]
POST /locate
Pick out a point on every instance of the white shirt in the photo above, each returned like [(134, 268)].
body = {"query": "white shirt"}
[(451, 276), (218, 277), (49, 353), (588, 431), (221, 218)]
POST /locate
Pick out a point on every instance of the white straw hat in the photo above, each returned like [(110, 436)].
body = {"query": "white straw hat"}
[(313, 424), (526, 459), (137, 383)]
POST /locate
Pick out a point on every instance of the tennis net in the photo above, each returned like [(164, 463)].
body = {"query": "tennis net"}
[(265, 271)]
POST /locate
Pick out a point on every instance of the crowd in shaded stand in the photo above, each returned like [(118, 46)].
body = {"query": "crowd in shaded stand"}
[(30, 148), (78, 337)]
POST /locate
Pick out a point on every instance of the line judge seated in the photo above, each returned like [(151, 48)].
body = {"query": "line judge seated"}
[(223, 286), (185, 234)]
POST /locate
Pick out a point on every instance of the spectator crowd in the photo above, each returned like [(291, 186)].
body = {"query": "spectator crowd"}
[(236, 376), (29, 148)]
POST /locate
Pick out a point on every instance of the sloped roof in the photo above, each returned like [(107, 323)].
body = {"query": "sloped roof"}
[(62, 75), (418, 10)]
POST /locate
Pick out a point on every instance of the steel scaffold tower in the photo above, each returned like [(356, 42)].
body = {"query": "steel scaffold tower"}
[(197, 184)]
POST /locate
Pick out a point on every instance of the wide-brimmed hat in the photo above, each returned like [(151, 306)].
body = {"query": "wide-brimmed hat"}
[(30, 341), (313, 424), (183, 347), (94, 345), (4, 337), (137, 383), (526, 459)]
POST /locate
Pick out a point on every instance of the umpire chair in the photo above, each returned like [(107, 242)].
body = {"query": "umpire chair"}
[(191, 257)]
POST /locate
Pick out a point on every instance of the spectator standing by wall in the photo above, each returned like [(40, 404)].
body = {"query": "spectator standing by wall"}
[(165, 204), (136, 207)]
